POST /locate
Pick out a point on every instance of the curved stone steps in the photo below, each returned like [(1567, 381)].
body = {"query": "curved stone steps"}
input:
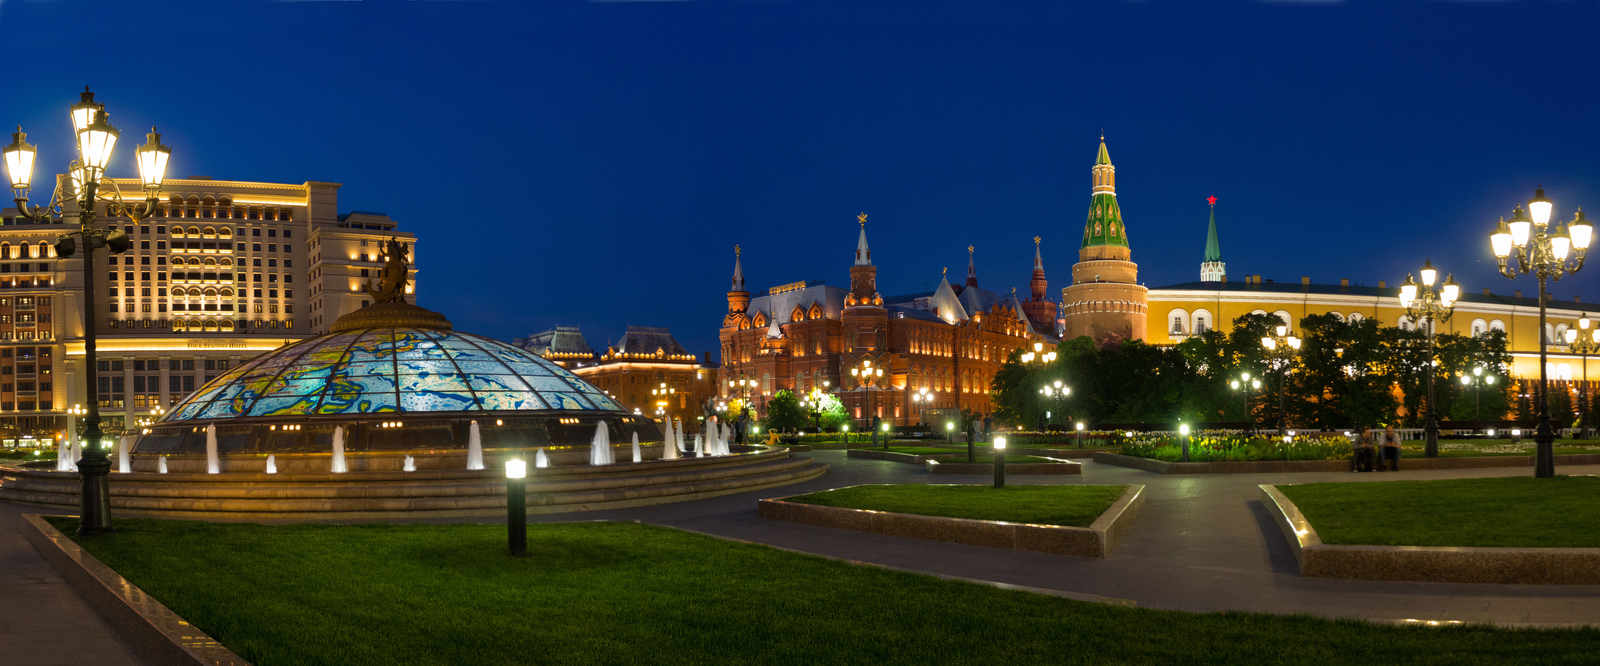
[(482, 483), (391, 500)]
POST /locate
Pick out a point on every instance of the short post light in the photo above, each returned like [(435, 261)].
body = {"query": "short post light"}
[(999, 461), (885, 428), (1080, 434), (517, 506), (950, 431), (1183, 432)]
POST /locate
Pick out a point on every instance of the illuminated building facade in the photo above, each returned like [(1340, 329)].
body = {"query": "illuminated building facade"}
[(648, 371), (223, 271), (809, 335)]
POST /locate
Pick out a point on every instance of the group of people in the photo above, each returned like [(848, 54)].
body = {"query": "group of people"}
[(1388, 443)]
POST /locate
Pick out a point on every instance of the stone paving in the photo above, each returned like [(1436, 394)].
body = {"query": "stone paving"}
[(42, 621), (1203, 543)]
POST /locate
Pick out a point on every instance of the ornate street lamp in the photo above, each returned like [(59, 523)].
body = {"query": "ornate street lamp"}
[(866, 376), (1477, 380), (1055, 393), (96, 139), (1428, 306), (1250, 386), (1583, 345), (1549, 256), (1281, 349)]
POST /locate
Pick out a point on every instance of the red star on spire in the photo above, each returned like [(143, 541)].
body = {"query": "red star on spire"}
[(1212, 200)]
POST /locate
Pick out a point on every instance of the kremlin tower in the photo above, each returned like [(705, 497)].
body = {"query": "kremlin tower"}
[(1040, 310), (1211, 267), (1106, 301)]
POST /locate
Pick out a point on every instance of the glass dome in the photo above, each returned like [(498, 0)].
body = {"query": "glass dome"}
[(398, 369)]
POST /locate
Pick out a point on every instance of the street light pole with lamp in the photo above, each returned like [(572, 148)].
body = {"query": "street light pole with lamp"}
[(1054, 392), (1545, 255), (1250, 386), (1430, 306), (867, 376), (1281, 349), (1477, 380), (96, 138), (1583, 345)]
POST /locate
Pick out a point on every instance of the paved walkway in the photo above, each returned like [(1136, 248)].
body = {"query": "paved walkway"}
[(42, 621), (1202, 543)]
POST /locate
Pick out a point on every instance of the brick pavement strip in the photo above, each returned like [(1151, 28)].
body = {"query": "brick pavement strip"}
[(1538, 566)]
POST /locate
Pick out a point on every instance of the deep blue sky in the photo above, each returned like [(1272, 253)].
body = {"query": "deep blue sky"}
[(593, 164)]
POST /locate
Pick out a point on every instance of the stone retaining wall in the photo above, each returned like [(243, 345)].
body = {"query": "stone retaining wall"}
[(1435, 564), (1095, 540), (892, 456)]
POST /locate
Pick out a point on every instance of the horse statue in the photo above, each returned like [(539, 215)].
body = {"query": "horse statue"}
[(393, 277)]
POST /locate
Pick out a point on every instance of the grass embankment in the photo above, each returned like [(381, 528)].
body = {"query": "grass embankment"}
[(1517, 511), (625, 593), (1073, 506)]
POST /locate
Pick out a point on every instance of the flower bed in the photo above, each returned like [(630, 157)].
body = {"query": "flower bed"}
[(1218, 447)]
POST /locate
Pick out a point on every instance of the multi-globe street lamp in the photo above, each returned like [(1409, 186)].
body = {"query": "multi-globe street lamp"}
[(1427, 307), (1583, 344), (96, 138), (1053, 392), (1038, 354), (1477, 380), (866, 377), (1281, 349), (1549, 256), (812, 403), (1250, 386)]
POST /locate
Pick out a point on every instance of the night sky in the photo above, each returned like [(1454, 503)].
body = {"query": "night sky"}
[(593, 164)]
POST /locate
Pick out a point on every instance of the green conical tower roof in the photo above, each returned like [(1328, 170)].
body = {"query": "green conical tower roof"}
[(1213, 248), (1104, 226)]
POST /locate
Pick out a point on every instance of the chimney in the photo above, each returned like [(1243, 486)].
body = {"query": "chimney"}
[(1485, 291), (1382, 284), (1576, 299), (1305, 280), (1224, 278), (1518, 293), (1344, 282), (705, 358)]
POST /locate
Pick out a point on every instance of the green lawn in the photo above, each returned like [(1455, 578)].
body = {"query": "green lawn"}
[(1467, 448), (594, 593), (1074, 506), (1518, 511), (987, 458)]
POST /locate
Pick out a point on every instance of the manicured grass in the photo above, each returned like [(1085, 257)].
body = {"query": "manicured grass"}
[(1073, 506), (1468, 448), (1519, 511), (627, 593)]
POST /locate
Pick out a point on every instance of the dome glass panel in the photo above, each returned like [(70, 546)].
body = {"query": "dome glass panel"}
[(380, 370)]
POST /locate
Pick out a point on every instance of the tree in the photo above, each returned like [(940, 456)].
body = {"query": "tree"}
[(784, 412)]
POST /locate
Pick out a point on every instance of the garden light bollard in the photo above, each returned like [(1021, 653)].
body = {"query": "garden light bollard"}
[(999, 461), (1183, 431), (1080, 434), (950, 431), (517, 506), (885, 428)]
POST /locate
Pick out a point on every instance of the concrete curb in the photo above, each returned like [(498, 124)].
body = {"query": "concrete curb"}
[(153, 631), (1434, 564), (1097, 540), (1282, 466), (941, 467), (892, 456)]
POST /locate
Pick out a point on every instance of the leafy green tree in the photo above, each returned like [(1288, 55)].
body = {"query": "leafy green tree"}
[(1342, 381), (784, 412), (833, 415), (1561, 414)]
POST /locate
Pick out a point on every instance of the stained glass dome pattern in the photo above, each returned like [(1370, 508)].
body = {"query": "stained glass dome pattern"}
[(380, 370)]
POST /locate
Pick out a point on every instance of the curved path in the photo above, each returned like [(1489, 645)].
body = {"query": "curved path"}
[(1203, 543)]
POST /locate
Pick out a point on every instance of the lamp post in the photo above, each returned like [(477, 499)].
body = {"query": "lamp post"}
[(1054, 392), (663, 397), (1430, 305), (866, 377), (999, 461), (1546, 255), (1250, 386), (1183, 431), (1281, 349), (517, 507), (1583, 346), (86, 176), (1477, 380), (1080, 434), (921, 399)]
